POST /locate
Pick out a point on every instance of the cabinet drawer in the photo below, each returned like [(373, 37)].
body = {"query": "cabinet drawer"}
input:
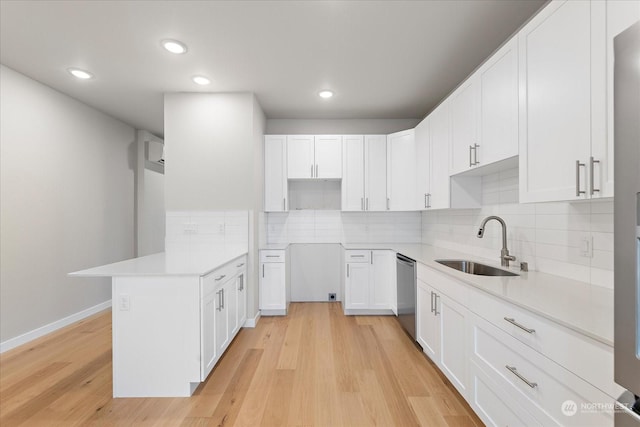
[(534, 381), (272, 256), (570, 349), (444, 284), (357, 256)]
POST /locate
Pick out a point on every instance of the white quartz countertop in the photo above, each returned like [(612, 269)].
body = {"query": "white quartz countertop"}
[(580, 306), (165, 264)]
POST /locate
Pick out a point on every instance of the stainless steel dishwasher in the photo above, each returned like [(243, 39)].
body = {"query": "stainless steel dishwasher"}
[(407, 294)]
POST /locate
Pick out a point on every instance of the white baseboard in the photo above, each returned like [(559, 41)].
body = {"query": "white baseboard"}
[(252, 322), (47, 329)]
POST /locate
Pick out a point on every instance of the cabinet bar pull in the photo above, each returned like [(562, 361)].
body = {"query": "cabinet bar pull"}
[(428, 200), (361, 203), (578, 191), (432, 294), (316, 170), (356, 256), (592, 161), (435, 305), (347, 270), (371, 258), (366, 204), (311, 171), (470, 158), (219, 301), (220, 277), (387, 203), (475, 155), (524, 328), (222, 290), (515, 372), (425, 200), (262, 270), (239, 265), (284, 204), (273, 256)]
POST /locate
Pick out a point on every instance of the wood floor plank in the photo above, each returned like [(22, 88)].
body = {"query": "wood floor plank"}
[(315, 367)]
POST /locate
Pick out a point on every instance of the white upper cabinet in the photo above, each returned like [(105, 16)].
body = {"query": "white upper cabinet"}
[(328, 156), (464, 113), (353, 173), (375, 172), (275, 173), (498, 79), (621, 14), (439, 188), (314, 157), (562, 101), (401, 173), (364, 176)]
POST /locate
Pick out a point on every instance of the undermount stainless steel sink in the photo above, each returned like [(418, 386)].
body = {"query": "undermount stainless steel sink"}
[(476, 268)]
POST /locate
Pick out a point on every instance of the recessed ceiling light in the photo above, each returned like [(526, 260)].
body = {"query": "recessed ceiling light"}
[(80, 74), (174, 46), (325, 94), (201, 80)]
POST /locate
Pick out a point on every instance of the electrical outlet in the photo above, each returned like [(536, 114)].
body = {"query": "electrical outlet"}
[(123, 302), (586, 246), (190, 228), (332, 297)]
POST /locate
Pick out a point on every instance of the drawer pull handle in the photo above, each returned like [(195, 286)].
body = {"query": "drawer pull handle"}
[(524, 328), (273, 256), (515, 372), (356, 256), (239, 265), (221, 277)]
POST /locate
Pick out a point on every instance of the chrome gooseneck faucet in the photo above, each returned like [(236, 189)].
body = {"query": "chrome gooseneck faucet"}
[(504, 253)]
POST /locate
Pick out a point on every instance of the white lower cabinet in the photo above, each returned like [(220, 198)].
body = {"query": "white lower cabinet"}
[(221, 303), (513, 366), (441, 332), (369, 281), (275, 292)]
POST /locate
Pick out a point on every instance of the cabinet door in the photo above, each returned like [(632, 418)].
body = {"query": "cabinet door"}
[(230, 303), (401, 178), (375, 170), (272, 286), (620, 15), (428, 331), (357, 286), (464, 107), (300, 158), (499, 105), (328, 157), (222, 322), (208, 333), (241, 299), (423, 164), (555, 102), (439, 131), (275, 173), (353, 173), (383, 280), (453, 334)]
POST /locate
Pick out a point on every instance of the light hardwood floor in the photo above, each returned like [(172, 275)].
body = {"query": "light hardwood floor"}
[(315, 367)]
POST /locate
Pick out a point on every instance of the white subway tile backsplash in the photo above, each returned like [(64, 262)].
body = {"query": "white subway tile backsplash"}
[(548, 236), (206, 231)]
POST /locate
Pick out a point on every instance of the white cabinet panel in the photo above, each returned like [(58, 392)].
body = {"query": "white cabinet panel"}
[(375, 170), (353, 175), (275, 173), (221, 321), (428, 325), (300, 156), (401, 177), (272, 286), (499, 106), (208, 337), (382, 279), (464, 108), (557, 60), (439, 131), (453, 341), (241, 298), (328, 157), (357, 286)]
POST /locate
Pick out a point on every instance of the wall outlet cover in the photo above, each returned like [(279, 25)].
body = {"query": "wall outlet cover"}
[(332, 297)]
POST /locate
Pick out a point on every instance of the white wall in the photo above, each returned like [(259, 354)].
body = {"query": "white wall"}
[(546, 235), (214, 156), (338, 126), (66, 203)]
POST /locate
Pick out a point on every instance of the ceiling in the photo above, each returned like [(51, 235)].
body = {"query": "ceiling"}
[(383, 59)]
